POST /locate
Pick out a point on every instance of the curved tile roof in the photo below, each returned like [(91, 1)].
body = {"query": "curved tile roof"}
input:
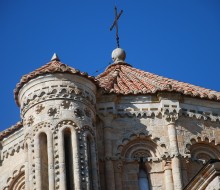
[(10, 130), (55, 66), (122, 78)]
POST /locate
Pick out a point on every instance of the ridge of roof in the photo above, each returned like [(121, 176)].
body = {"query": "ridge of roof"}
[(122, 78), (10, 130), (54, 66)]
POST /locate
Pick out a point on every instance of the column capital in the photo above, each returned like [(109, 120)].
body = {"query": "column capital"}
[(169, 106), (167, 165), (170, 115), (118, 165)]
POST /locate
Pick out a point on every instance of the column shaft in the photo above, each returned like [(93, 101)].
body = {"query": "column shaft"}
[(62, 161), (27, 183), (177, 177), (176, 165), (109, 169), (50, 163), (37, 164), (168, 178), (76, 162)]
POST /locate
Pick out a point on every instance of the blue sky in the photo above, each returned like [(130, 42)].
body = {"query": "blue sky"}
[(177, 39)]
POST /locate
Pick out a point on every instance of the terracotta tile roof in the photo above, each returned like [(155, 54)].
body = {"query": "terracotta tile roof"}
[(54, 66), (122, 78), (10, 130)]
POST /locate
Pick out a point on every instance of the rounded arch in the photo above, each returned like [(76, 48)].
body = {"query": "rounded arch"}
[(17, 180), (140, 144), (66, 122), (88, 131), (202, 146)]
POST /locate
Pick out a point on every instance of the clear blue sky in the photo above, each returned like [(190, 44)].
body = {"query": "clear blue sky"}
[(177, 39)]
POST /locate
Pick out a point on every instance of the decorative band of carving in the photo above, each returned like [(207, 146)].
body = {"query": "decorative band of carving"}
[(56, 92), (13, 149), (214, 117)]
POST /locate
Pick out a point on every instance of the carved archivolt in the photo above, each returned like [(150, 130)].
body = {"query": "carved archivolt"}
[(202, 149), (140, 145), (39, 126), (66, 122), (16, 181)]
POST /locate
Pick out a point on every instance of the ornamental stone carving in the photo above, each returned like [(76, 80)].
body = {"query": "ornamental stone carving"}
[(78, 113), (39, 108), (53, 112), (87, 112), (66, 104), (49, 93), (30, 120)]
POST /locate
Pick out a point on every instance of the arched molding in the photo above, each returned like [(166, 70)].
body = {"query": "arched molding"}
[(88, 131), (202, 149), (141, 143), (200, 140), (37, 175), (59, 157), (88, 159), (66, 122), (40, 127), (17, 180), (60, 152)]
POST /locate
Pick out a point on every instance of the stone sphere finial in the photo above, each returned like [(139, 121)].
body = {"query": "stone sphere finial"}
[(118, 55)]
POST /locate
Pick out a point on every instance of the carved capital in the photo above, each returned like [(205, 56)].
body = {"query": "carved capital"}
[(167, 165), (170, 115), (118, 165)]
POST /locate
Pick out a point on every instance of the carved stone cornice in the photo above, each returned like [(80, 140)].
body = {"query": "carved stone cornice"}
[(12, 150), (213, 117)]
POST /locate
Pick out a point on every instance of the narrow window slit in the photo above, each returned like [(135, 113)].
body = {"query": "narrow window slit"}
[(142, 176), (68, 159), (44, 161)]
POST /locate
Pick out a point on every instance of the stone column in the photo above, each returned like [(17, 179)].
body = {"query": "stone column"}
[(50, 162), (27, 185), (168, 176), (76, 161), (30, 171), (170, 110), (109, 168), (37, 163), (62, 161), (176, 164)]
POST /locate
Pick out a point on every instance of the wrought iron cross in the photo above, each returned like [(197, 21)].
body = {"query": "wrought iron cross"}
[(115, 24)]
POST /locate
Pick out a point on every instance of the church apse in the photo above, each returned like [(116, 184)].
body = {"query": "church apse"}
[(58, 115)]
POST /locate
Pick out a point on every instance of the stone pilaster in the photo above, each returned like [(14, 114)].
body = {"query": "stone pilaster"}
[(109, 167)]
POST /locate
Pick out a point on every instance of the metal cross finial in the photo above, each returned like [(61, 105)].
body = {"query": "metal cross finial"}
[(115, 24)]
